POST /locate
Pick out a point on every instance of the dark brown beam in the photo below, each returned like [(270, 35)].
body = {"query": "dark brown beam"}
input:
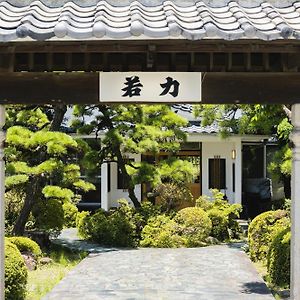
[(80, 87), (121, 46)]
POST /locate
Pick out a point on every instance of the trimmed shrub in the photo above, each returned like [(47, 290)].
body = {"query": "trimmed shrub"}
[(227, 211), (278, 259), (15, 273), (161, 232), (115, 229), (70, 214), (173, 196), (82, 224), (220, 223), (13, 203), (49, 215), (194, 225), (25, 244), (122, 227), (204, 202), (262, 230)]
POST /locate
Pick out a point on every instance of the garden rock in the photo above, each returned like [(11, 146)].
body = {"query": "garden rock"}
[(46, 261), (29, 260)]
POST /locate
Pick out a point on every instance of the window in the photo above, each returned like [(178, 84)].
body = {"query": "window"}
[(217, 173)]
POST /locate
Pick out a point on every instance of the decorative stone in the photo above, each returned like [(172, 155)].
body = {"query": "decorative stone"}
[(99, 30), (46, 261), (60, 30), (22, 31), (30, 261)]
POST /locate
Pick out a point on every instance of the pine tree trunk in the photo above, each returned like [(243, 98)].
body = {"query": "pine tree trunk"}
[(30, 199), (128, 180)]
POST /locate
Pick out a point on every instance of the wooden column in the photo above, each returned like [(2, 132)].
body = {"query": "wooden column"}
[(2, 207), (295, 209)]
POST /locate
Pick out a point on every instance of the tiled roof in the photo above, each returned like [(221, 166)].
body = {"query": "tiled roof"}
[(194, 126), (146, 19)]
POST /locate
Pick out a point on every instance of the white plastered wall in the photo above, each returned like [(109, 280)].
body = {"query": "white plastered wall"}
[(115, 194), (223, 148)]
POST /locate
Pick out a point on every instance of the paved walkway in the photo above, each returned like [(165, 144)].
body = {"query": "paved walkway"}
[(215, 272)]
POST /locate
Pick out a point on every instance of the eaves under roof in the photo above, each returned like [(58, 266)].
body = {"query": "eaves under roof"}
[(148, 19)]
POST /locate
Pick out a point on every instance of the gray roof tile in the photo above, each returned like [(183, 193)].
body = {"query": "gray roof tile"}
[(228, 20)]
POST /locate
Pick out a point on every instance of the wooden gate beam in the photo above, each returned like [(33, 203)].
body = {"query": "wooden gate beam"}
[(83, 88)]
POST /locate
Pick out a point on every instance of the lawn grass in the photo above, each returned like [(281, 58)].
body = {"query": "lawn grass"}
[(42, 280)]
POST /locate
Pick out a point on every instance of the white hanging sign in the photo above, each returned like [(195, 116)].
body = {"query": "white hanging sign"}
[(150, 87)]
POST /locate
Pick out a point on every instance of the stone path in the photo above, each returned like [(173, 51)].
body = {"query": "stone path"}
[(210, 273)]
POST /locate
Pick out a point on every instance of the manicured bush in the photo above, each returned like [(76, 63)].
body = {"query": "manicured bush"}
[(82, 224), (115, 229), (148, 210), (262, 230), (122, 227), (173, 196), (25, 244), (204, 202), (13, 203), (15, 273), (70, 214), (161, 232), (49, 215), (278, 259), (219, 222), (194, 225), (227, 211)]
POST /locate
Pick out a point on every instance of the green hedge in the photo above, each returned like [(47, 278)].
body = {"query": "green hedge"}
[(278, 259), (117, 228), (220, 224), (25, 244), (161, 232), (15, 273), (262, 230), (194, 224), (70, 214)]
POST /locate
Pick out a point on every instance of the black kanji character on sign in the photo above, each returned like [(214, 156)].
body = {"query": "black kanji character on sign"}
[(133, 86), (167, 86)]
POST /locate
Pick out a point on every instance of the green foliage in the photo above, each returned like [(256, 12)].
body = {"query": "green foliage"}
[(25, 244), (82, 224), (56, 192), (194, 224), (262, 230), (70, 214), (177, 171), (161, 232), (13, 204), (115, 229), (278, 259), (15, 273), (171, 195), (36, 156), (144, 213), (219, 220), (137, 129), (222, 214), (49, 215)]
